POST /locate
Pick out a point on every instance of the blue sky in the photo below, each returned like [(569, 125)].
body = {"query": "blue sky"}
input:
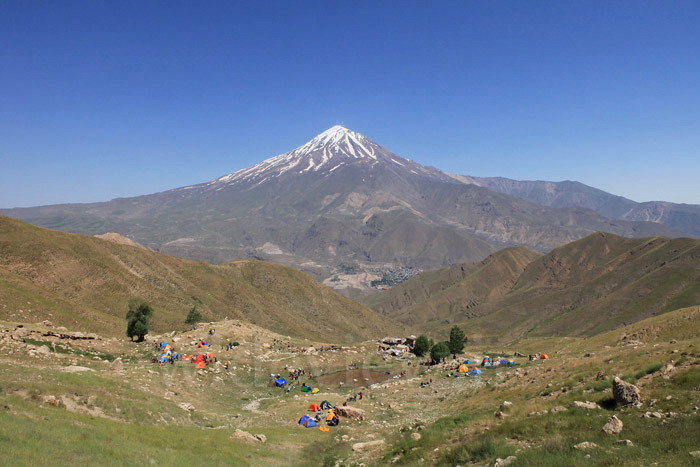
[(106, 99)]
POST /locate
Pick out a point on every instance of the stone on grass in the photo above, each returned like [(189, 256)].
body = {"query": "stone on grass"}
[(415, 436), (186, 406), (695, 454), (586, 445), (626, 393), (117, 365), (44, 350), (51, 400), (625, 442), (247, 437), (558, 408), (585, 405), (503, 462), (367, 445), (614, 426), (351, 412)]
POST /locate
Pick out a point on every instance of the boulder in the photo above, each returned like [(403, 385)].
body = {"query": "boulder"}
[(695, 454), (47, 323), (186, 406), (614, 426), (117, 364), (247, 437), (415, 436), (600, 376), (667, 370), (558, 408), (503, 462), (51, 400), (586, 445), (367, 445), (44, 350), (585, 405), (18, 334), (626, 393), (351, 412)]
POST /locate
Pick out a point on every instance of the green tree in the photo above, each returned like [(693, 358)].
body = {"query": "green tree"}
[(421, 346), (193, 316), (137, 319), (439, 351), (457, 341)]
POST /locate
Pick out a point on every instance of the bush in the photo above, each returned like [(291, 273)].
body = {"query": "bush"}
[(421, 346), (137, 319), (193, 316)]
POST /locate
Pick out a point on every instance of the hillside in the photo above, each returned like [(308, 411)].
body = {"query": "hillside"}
[(583, 288), (84, 282)]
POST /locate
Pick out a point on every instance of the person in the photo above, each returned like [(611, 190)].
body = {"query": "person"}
[(360, 396)]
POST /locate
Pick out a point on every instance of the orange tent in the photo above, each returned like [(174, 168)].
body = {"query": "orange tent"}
[(314, 408), (324, 428), (463, 368), (544, 356), (200, 358), (331, 414), (210, 355), (200, 365), (200, 346)]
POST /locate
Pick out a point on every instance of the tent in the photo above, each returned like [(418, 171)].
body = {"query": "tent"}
[(475, 371), (463, 368), (306, 421), (315, 390), (200, 365), (544, 356), (163, 344), (503, 362), (486, 361), (324, 428), (330, 415), (511, 362), (211, 356), (164, 359), (200, 346), (314, 408), (306, 388), (467, 362), (200, 358), (325, 405), (280, 382)]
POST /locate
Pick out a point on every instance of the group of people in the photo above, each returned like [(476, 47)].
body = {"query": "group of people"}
[(426, 383)]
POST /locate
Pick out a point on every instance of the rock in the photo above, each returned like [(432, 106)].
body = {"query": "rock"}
[(117, 364), (266, 345), (588, 355), (614, 426), (351, 412), (186, 406), (668, 398), (506, 404), (499, 414), (667, 370), (695, 454), (625, 442), (626, 393), (558, 408), (600, 376), (507, 461), (51, 400), (415, 436), (586, 445), (367, 445), (585, 405), (47, 323), (247, 437), (44, 350), (310, 350), (653, 415), (75, 369), (18, 334)]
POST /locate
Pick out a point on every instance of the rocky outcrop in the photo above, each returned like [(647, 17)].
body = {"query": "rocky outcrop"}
[(186, 406), (351, 413), (585, 405), (247, 437), (626, 393)]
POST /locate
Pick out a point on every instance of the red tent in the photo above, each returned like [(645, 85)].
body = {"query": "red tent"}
[(200, 358), (314, 408)]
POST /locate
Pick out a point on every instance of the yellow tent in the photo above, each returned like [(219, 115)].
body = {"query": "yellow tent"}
[(331, 414), (315, 390), (463, 368)]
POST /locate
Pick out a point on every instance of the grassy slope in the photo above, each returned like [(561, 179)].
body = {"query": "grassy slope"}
[(84, 282), (583, 288)]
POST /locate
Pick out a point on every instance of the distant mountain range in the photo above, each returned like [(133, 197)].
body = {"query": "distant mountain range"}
[(682, 217), (336, 206), (588, 286)]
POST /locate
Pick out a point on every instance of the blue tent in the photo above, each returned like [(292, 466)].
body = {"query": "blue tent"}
[(163, 344), (280, 382), (503, 362), (164, 359), (467, 362), (307, 421), (475, 371)]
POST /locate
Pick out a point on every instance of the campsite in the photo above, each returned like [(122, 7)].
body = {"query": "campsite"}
[(406, 412)]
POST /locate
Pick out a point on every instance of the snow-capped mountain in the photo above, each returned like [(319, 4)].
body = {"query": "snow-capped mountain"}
[(324, 154), (337, 207)]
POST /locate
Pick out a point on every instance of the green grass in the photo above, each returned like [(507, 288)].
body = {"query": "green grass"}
[(689, 379)]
